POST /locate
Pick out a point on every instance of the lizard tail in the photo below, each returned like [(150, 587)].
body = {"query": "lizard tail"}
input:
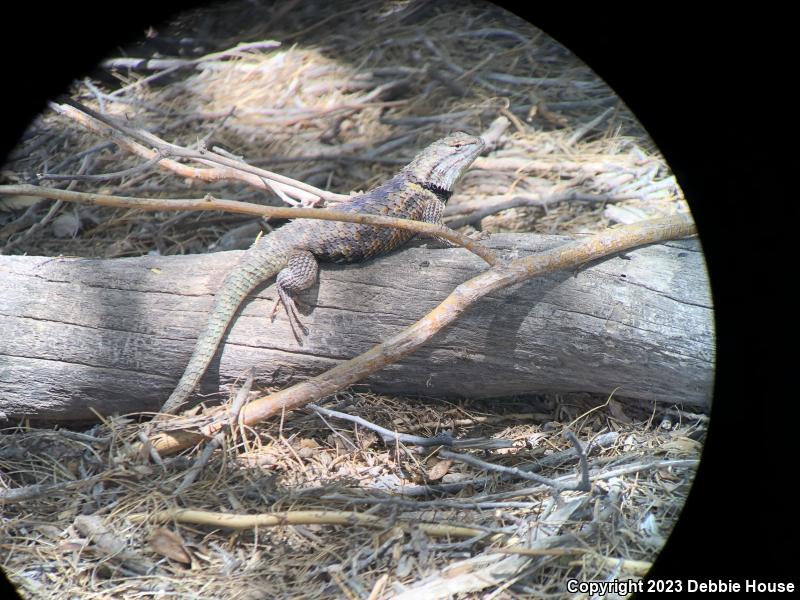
[(257, 265)]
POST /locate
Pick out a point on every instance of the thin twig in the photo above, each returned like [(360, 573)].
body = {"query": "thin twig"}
[(111, 544), (76, 157), (151, 451), (197, 61), (626, 470), (495, 130), (442, 439), (200, 462), (219, 438), (210, 203), (439, 504), (101, 101), (23, 221), (240, 398), (104, 176), (146, 144), (584, 485), (603, 440), (54, 210), (495, 204), (29, 492), (587, 127), (514, 471)]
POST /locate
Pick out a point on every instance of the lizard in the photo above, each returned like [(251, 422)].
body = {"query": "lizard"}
[(290, 253)]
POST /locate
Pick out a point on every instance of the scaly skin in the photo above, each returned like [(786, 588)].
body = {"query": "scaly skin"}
[(419, 191)]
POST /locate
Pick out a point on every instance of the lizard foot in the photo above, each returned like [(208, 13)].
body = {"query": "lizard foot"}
[(291, 312)]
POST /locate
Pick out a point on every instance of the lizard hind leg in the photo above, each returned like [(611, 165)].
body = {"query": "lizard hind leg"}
[(299, 274)]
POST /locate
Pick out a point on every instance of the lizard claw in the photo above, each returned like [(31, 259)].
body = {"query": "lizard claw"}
[(291, 313), (274, 310)]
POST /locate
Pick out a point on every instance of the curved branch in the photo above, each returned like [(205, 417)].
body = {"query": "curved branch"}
[(569, 255)]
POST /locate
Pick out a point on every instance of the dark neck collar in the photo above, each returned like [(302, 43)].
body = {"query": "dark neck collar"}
[(441, 193)]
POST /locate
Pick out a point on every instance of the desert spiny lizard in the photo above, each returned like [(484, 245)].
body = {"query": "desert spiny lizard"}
[(419, 191)]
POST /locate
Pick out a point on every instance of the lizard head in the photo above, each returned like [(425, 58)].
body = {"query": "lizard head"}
[(442, 163)]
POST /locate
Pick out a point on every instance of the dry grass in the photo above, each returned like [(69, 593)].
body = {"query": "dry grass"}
[(304, 463), (349, 96)]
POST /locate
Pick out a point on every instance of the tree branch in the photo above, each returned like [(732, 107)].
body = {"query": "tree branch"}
[(463, 297), (149, 146), (210, 203)]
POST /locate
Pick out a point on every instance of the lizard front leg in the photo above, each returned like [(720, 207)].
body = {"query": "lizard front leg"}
[(299, 274), (434, 212), (434, 209)]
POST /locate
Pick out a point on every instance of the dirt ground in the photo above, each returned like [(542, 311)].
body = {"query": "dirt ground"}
[(340, 95)]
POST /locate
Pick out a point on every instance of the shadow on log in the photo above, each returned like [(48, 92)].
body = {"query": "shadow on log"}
[(115, 335)]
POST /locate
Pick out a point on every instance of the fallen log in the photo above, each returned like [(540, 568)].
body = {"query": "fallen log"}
[(115, 335)]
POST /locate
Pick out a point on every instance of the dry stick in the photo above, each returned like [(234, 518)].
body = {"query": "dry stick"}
[(142, 143), (216, 442), (76, 157), (635, 567), (444, 503), (121, 139), (283, 186), (146, 64), (37, 490), (300, 517), (196, 61), (104, 176), (54, 208), (495, 130), (587, 127), (560, 458), (688, 463), (541, 551), (442, 439), (582, 485), (147, 447), (205, 156), (36, 226), (27, 218), (512, 471), (496, 204), (210, 203), (524, 164), (582, 461), (110, 544), (463, 297)]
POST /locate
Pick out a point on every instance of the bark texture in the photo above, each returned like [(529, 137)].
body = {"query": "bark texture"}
[(115, 335)]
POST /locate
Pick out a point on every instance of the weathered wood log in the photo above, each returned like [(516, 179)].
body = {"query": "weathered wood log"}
[(115, 335)]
